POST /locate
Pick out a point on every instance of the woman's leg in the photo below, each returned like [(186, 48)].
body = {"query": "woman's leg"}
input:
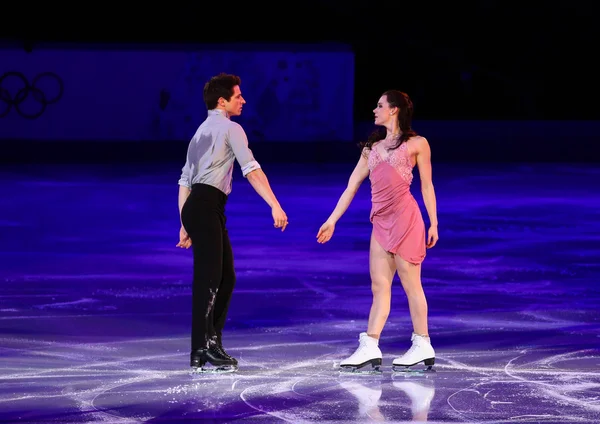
[(410, 276), (382, 269), (421, 349)]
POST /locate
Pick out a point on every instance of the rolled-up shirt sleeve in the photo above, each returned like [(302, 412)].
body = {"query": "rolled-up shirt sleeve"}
[(185, 178), (239, 144)]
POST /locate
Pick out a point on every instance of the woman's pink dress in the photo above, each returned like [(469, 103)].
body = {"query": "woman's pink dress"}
[(397, 221)]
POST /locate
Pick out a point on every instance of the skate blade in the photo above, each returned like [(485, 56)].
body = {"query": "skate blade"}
[(401, 369), (214, 370), (428, 363), (366, 370)]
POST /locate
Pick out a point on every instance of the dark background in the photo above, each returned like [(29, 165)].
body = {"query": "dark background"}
[(478, 61)]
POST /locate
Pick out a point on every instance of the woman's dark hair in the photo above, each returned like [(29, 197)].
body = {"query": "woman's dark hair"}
[(402, 101)]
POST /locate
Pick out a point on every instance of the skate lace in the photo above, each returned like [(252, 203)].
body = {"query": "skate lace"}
[(362, 344), (411, 350), (220, 349)]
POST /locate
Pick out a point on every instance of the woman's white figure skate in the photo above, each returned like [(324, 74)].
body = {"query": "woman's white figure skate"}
[(366, 359), (420, 351)]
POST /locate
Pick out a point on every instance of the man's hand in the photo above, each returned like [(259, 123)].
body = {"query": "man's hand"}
[(280, 219), (185, 242)]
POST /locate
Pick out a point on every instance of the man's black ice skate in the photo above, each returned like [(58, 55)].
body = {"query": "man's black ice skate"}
[(219, 351), (219, 361)]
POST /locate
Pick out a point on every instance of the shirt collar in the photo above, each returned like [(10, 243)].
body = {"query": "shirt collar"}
[(218, 112)]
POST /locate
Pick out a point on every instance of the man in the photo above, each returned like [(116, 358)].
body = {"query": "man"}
[(204, 186)]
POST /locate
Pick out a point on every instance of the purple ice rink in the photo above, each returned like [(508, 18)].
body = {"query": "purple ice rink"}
[(95, 300)]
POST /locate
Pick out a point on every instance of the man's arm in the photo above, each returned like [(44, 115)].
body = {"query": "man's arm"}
[(184, 192), (250, 167), (252, 171), (239, 145), (260, 183), (185, 184)]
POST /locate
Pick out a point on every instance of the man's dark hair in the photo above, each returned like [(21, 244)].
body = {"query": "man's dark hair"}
[(219, 86)]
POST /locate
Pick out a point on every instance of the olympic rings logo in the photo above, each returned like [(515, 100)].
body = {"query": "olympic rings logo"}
[(24, 91)]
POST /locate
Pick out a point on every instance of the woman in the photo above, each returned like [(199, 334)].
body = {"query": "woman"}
[(398, 242)]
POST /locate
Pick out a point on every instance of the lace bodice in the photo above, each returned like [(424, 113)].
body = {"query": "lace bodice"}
[(398, 158)]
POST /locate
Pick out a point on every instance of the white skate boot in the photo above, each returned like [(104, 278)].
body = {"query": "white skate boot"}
[(420, 351), (368, 353)]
